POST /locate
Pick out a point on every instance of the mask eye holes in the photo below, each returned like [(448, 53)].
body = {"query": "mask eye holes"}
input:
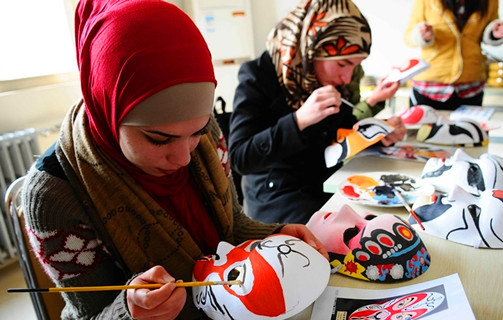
[(473, 169), (237, 273), (369, 217), (474, 211), (349, 234), (234, 273)]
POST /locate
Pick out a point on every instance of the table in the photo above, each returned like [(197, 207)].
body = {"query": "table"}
[(478, 269)]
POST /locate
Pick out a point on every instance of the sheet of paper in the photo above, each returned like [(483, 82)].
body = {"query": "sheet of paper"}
[(409, 151), (477, 113), (439, 299)]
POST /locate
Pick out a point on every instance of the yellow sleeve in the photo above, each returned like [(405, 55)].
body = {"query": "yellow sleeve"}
[(492, 10), (417, 15)]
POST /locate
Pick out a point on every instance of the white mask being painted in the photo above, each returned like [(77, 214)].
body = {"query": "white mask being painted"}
[(349, 142), (419, 114), (473, 175), (463, 132), (474, 220), (281, 275)]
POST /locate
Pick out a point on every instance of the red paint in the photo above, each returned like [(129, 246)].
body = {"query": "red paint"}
[(350, 192), (266, 287), (351, 267), (374, 249), (498, 194), (386, 240), (405, 233)]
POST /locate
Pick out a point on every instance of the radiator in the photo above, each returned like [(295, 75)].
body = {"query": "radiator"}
[(17, 153)]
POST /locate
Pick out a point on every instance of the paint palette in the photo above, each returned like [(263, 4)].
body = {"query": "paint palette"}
[(376, 188)]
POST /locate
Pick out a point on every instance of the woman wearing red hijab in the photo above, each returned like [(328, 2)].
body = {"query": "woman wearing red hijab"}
[(137, 186)]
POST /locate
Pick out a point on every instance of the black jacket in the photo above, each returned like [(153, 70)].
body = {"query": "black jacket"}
[(283, 169)]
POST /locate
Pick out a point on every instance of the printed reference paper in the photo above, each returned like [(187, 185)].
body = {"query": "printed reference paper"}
[(439, 299)]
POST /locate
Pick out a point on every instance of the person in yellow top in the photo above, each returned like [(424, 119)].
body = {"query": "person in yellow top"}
[(450, 33)]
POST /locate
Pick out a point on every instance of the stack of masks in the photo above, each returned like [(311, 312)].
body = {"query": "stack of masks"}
[(470, 208)]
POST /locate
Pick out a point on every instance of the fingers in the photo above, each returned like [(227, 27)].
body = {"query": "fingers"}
[(498, 30), (150, 299), (163, 303), (302, 232), (155, 274), (390, 88), (426, 31), (396, 122), (321, 103), (398, 134), (385, 90), (327, 97), (316, 244)]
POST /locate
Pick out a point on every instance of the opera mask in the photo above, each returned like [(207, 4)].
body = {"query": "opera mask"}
[(463, 132), (473, 175), (281, 275), (474, 220), (380, 248), (419, 114), (349, 142)]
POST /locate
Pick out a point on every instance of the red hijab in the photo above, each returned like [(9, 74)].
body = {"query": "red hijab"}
[(127, 51)]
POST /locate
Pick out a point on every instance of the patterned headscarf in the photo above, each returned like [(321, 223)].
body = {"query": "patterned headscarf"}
[(315, 29)]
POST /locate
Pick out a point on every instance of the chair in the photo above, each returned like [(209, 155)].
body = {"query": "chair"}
[(47, 306)]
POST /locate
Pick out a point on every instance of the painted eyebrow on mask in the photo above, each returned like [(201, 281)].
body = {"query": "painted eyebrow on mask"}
[(167, 135)]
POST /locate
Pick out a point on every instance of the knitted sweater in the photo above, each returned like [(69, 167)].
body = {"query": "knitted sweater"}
[(71, 251)]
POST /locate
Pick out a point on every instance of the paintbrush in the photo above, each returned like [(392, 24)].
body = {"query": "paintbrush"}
[(346, 102), (412, 213), (125, 287)]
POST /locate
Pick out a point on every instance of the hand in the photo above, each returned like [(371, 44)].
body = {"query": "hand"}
[(302, 232), (498, 29), (426, 31), (397, 134), (163, 303), (322, 103), (382, 92)]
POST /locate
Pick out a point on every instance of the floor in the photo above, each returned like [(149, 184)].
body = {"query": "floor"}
[(14, 305)]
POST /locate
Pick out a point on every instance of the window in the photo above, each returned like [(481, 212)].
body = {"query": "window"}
[(37, 38)]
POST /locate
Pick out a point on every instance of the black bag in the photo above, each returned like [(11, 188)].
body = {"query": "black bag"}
[(223, 117)]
